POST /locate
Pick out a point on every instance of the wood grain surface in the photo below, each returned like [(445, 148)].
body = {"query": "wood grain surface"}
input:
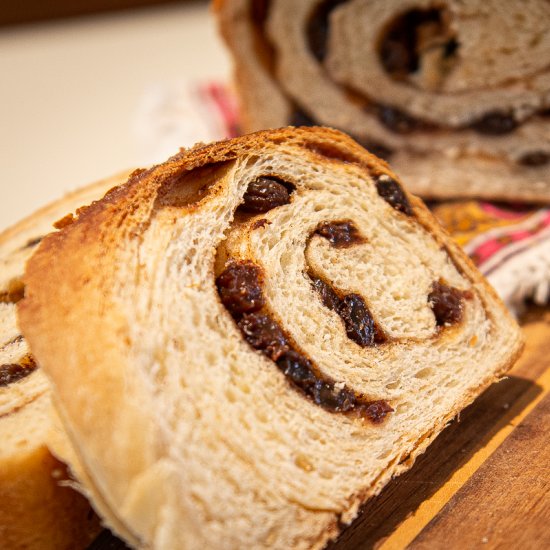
[(483, 483), (507, 500)]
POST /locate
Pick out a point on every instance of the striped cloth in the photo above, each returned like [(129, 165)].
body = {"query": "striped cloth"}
[(510, 244)]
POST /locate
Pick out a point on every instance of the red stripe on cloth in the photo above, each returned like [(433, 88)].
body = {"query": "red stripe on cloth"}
[(490, 247), (227, 107)]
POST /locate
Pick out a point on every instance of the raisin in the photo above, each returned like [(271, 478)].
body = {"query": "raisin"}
[(357, 320), (399, 122), (360, 326), (536, 158), (263, 194), (13, 372), (263, 334), (298, 369), (393, 194), (495, 123), (259, 11), (329, 298), (340, 234), (239, 287), (336, 400), (376, 411), (446, 303)]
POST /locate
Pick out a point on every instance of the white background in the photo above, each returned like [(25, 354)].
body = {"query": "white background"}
[(70, 92)]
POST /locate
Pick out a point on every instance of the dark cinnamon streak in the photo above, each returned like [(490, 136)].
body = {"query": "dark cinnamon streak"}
[(13, 372), (16, 340), (399, 47), (358, 321), (264, 334), (319, 26)]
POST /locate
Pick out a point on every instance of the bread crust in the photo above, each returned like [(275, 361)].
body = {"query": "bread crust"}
[(96, 387)]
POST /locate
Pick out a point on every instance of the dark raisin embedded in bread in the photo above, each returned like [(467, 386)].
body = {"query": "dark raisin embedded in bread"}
[(263, 194), (393, 194), (13, 372), (240, 288), (446, 303), (340, 234)]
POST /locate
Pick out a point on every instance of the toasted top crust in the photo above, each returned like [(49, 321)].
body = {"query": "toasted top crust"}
[(172, 413)]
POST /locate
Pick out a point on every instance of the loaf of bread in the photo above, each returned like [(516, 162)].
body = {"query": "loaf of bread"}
[(249, 340), (36, 511), (456, 94)]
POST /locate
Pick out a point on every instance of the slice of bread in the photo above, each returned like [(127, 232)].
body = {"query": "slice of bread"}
[(455, 94), (36, 512), (249, 340)]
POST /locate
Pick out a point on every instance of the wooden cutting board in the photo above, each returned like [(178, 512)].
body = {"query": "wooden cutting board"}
[(483, 483)]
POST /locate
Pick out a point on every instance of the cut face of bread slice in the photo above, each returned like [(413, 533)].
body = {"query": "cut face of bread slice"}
[(35, 511), (455, 94), (257, 335)]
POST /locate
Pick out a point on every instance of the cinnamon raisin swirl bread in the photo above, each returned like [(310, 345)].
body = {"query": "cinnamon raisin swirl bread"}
[(257, 335), (455, 93), (35, 511)]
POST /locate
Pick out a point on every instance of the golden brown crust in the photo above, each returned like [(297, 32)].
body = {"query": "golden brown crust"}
[(79, 298)]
